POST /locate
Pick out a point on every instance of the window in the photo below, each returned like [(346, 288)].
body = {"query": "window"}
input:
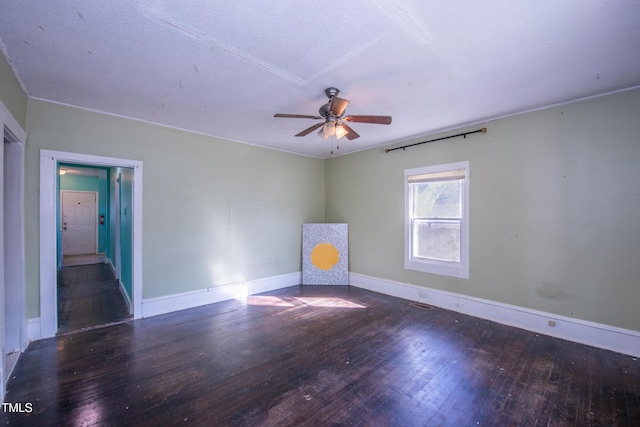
[(437, 219)]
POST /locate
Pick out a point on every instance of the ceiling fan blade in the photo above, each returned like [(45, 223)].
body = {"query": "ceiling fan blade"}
[(309, 130), (380, 120), (338, 106), (296, 116), (351, 134)]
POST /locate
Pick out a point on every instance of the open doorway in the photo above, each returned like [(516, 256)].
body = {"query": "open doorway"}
[(84, 211), (91, 290), (123, 255)]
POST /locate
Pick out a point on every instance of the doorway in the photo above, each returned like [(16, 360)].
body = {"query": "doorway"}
[(90, 289), (50, 244)]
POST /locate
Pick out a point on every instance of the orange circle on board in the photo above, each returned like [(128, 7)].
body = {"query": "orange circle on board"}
[(325, 256)]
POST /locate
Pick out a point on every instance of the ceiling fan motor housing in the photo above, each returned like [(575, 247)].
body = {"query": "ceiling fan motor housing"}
[(325, 110), (331, 92)]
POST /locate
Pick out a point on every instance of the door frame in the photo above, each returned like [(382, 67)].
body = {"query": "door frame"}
[(95, 219), (14, 271), (49, 161)]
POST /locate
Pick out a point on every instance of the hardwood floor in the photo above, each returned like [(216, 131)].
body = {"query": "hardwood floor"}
[(70, 260), (88, 295), (328, 356)]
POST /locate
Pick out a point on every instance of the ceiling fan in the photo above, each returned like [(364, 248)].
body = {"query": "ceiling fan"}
[(334, 118)]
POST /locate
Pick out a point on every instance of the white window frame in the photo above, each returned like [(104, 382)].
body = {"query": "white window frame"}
[(445, 268)]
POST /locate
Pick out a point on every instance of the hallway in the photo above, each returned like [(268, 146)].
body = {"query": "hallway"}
[(88, 296)]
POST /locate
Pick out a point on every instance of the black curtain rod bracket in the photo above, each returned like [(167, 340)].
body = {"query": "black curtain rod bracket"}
[(464, 135)]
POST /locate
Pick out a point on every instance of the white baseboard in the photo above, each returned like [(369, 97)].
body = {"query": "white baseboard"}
[(620, 340), (33, 329), (125, 295), (182, 301)]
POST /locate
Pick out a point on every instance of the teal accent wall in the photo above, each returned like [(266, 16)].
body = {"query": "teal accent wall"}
[(553, 199), (89, 183), (58, 225), (103, 209)]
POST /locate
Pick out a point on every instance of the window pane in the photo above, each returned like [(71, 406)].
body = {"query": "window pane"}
[(441, 199), (436, 240)]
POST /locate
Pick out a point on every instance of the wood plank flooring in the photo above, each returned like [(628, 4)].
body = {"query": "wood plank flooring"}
[(70, 260), (326, 356), (88, 295)]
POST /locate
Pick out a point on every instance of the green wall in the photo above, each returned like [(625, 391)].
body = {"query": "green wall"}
[(11, 93), (554, 196), (214, 212)]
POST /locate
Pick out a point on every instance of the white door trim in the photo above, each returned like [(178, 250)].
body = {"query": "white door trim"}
[(48, 268), (15, 268)]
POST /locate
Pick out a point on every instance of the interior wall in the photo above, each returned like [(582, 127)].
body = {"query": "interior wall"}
[(114, 209), (215, 212), (126, 228), (11, 93), (553, 200)]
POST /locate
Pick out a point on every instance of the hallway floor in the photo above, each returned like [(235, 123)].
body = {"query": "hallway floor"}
[(88, 296), (70, 260)]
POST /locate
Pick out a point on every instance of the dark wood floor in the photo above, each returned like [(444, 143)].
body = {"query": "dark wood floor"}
[(321, 356), (88, 295)]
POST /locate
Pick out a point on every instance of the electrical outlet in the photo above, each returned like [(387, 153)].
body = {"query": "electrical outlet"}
[(423, 294), (552, 323)]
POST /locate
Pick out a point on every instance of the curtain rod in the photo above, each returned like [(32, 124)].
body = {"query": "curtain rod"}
[(464, 135)]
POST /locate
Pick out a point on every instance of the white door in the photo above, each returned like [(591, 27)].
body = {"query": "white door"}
[(79, 222)]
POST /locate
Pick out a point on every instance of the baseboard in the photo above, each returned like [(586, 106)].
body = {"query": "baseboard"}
[(126, 297), (33, 329), (612, 338), (185, 300)]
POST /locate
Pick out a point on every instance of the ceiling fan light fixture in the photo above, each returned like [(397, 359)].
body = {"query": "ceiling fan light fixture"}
[(328, 129), (340, 131), (323, 134), (331, 128)]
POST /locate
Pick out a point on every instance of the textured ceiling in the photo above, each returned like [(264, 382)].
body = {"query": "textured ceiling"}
[(224, 68)]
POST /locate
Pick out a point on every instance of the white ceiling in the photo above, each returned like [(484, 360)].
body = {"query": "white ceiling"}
[(224, 68)]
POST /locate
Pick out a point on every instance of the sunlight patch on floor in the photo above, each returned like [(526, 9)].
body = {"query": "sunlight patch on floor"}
[(273, 301), (329, 302), (267, 300)]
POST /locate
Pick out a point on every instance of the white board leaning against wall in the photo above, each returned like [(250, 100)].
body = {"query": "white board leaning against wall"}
[(325, 254)]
